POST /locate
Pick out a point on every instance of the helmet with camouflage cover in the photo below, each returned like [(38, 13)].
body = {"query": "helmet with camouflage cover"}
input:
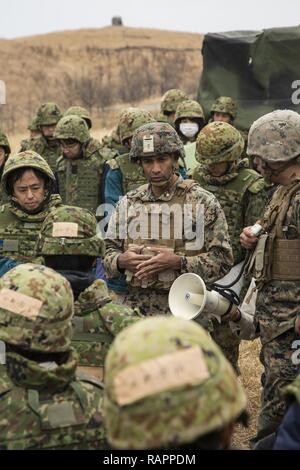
[(33, 125), (4, 143), (189, 109), (48, 114), (224, 104), (81, 112), (171, 100), (167, 383), (275, 137), (155, 138), (72, 127), (130, 120), (27, 159), (219, 142), (36, 307), (69, 230)]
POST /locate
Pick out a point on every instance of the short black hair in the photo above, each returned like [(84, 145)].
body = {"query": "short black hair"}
[(17, 174)]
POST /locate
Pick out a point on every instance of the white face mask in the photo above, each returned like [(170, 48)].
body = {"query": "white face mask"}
[(189, 129)]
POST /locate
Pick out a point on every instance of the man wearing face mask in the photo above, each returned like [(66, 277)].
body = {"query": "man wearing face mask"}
[(79, 169), (46, 145), (189, 120), (148, 246)]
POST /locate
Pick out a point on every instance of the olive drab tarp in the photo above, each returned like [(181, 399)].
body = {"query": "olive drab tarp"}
[(256, 68)]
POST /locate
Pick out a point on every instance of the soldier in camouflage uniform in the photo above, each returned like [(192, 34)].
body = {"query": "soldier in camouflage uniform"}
[(35, 133), (151, 261), (43, 404), (28, 182), (4, 154), (223, 109), (169, 103), (274, 142), (189, 120), (79, 169), (168, 385), (81, 112), (47, 145), (69, 244), (240, 192)]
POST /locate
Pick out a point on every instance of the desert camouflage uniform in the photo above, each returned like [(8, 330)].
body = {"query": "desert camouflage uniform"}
[(277, 273), (79, 179), (211, 262), (49, 149), (148, 409), (19, 229), (241, 194), (44, 405), (97, 320)]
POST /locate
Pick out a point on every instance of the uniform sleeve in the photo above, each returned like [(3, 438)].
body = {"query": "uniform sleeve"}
[(114, 245), (255, 203), (6, 264), (216, 258), (288, 436), (113, 186)]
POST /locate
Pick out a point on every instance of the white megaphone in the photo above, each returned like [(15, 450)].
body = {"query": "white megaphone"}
[(189, 297)]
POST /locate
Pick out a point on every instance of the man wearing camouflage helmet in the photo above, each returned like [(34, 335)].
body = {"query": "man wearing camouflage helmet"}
[(152, 258), (81, 112), (35, 133), (168, 386), (240, 192), (4, 154), (47, 145), (68, 243), (43, 404), (274, 144), (189, 120), (79, 168), (224, 110), (169, 103), (28, 182)]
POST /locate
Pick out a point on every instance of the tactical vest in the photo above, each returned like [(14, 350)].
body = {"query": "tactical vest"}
[(158, 214), (67, 420), (49, 152), (79, 180), (230, 195), (277, 253), (19, 230)]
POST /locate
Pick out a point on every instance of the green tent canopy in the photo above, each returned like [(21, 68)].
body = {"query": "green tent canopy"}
[(256, 68)]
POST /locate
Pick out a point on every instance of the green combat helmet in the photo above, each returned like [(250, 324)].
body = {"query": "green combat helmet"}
[(72, 127), (4, 143), (69, 230), (219, 142), (167, 383), (224, 104), (81, 112), (48, 114), (189, 109), (36, 308), (33, 125), (130, 120), (29, 159), (171, 100), (155, 138), (275, 137)]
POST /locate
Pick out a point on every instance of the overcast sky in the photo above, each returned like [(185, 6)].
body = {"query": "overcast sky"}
[(28, 17)]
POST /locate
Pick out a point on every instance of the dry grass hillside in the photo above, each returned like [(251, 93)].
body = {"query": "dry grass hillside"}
[(96, 68)]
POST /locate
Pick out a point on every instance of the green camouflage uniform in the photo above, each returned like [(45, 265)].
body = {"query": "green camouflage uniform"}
[(5, 145), (211, 262), (79, 179), (275, 137), (49, 149), (19, 229), (241, 194), (97, 320), (27, 143), (155, 395), (43, 405), (111, 145)]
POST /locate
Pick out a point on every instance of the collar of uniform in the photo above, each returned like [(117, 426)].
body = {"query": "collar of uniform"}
[(30, 374), (53, 201), (147, 194)]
